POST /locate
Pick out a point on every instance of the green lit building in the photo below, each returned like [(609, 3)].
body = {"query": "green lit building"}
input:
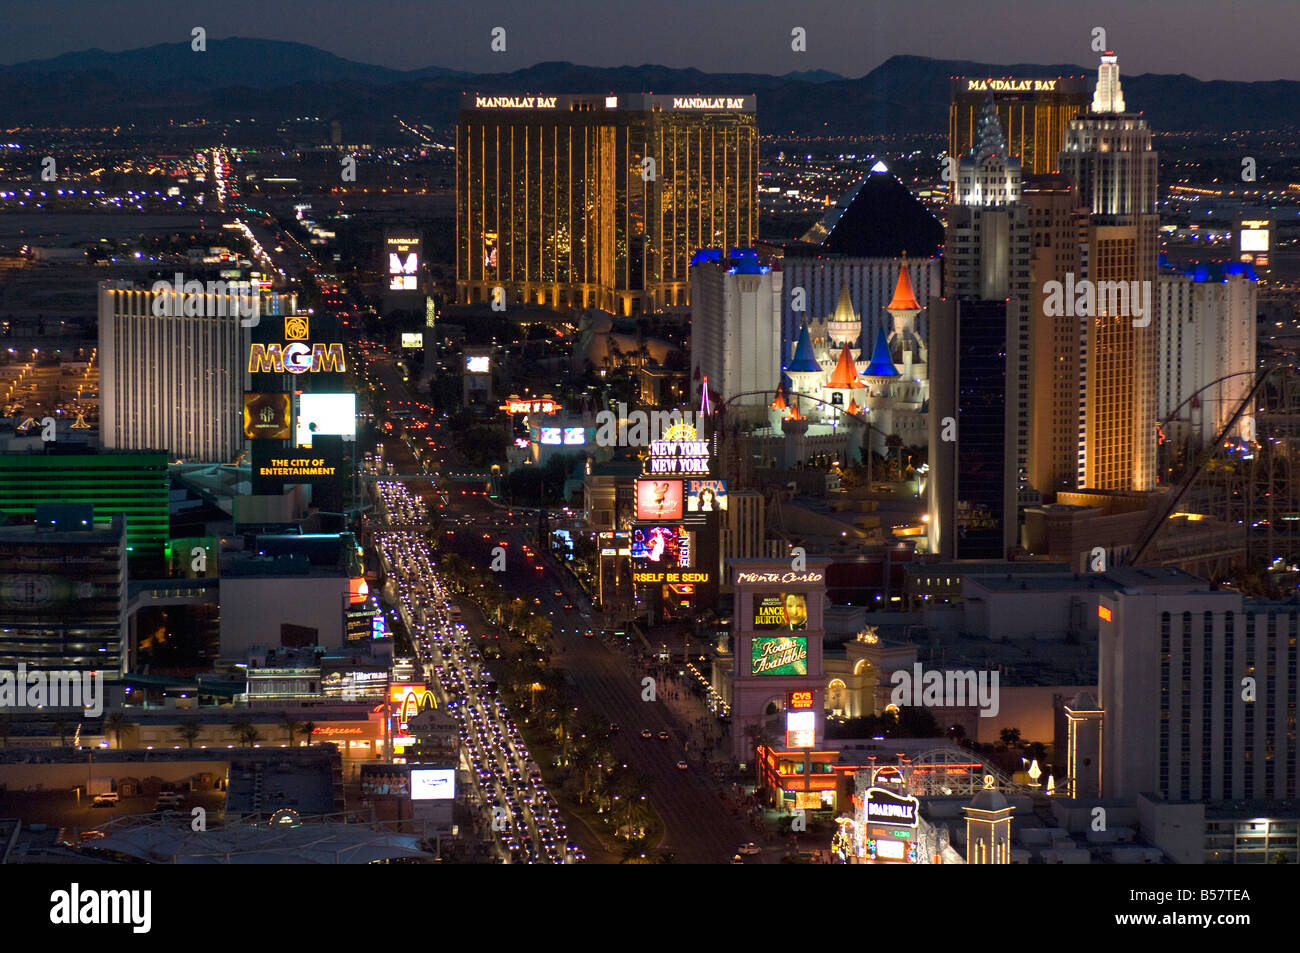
[(133, 483)]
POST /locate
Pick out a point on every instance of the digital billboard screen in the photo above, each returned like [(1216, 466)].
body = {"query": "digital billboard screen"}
[(386, 781), (782, 655), (326, 415), (786, 610), (433, 784), (266, 416), (403, 263), (1254, 239), (658, 499), (412, 339), (706, 496), (661, 547), (800, 729), (478, 364)]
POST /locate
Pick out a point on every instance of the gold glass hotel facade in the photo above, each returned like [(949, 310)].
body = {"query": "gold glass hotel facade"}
[(600, 201), (1034, 113)]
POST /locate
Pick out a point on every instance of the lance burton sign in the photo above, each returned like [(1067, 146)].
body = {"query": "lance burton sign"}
[(780, 656), (781, 577)]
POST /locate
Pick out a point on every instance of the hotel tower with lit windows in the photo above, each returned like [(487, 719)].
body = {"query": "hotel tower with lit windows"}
[(600, 201)]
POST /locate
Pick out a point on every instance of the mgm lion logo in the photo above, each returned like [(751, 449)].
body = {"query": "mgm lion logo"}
[(295, 327)]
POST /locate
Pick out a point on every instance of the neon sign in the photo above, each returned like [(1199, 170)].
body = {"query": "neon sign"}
[(296, 358)]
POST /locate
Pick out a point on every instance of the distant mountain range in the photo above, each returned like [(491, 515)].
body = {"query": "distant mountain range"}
[(274, 81)]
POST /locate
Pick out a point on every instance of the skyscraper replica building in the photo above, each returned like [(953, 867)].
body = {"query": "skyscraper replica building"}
[(1108, 156), (979, 412), (600, 201)]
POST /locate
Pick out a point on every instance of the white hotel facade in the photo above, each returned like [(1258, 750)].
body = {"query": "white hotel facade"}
[(174, 382)]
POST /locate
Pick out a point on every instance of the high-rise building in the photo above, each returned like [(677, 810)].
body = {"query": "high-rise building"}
[(1206, 321), (1178, 723), (63, 594), (736, 325), (134, 484), (987, 258), (1109, 157), (979, 411), (1055, 222), (972, 456), (1033, 113), (174, 381), (600, 201)]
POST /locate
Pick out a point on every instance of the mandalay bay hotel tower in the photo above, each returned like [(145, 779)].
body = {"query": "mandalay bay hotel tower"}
[(600, 201)]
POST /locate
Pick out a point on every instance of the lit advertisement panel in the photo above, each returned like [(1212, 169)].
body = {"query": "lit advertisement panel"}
[(385, 781), (478, 364), (433, 784), (661, 547), (706, 496), (273, 466), (800, 729), (403, 263), (407, 700), (784, 655), (412, 339), (787, 610), (658, 499), (575, 436), (551, 435), (326, 415), (266, 416), (1254, 239)]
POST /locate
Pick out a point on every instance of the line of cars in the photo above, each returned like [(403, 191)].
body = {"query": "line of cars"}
[(520, 812)]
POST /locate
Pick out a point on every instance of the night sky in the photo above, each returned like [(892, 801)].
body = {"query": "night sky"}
[(1208, 39)]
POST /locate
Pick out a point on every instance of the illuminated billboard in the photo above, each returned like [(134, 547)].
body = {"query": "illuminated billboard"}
[(403, 263), (783, 655), (326, 415), (800, 729), (266, 416), (385, 781), (478, 364), (658, 499), (301, 465), (706, 496), (433, 784), (799, 701), (661, 547), (575, 436), (407, 700), (680, 452), (886, 807), (1254, 239), (526, 405), (551, 435), (787, 610), (412, 339)]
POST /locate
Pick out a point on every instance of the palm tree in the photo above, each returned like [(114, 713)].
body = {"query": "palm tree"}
[(61, 726), (309, 729), (292, 726), (6, 726), (114, 724), (189, 730), (244, 729)]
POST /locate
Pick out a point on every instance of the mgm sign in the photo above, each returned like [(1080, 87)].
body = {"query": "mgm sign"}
[(297, 355)]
